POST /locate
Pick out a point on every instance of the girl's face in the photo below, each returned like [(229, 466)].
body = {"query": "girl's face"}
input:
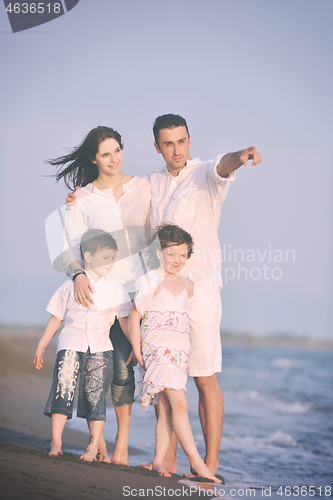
[(108, 158), (173, 258)]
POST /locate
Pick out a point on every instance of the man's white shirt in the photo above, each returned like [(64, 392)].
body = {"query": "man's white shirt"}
[(193, 200)]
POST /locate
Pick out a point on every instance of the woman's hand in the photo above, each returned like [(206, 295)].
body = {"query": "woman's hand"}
[(82, 289)]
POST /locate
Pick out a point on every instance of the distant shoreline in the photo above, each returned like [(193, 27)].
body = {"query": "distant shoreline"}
[(229, 338)]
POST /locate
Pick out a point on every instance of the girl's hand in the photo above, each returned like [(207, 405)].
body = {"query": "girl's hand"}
[(38, 358), (141, 362), (82, 289)]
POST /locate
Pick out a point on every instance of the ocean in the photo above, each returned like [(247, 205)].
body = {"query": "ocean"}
[(278, 425)]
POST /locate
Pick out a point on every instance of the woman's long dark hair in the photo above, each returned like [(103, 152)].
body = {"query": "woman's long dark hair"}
[(77, 167)]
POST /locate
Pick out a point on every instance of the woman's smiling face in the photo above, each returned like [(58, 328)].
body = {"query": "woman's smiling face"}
[(108, 158)]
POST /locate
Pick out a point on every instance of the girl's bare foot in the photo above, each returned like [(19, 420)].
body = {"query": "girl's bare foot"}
[(161, 470), (55, 450), (201, 471)]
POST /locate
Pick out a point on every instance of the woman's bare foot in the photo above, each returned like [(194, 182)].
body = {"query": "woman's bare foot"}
[(161, 470), (55, 451), (120, 453)]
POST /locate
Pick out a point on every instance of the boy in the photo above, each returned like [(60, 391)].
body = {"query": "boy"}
[(84, 344)]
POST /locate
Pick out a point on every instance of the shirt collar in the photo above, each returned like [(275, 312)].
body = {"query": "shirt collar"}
[(98, 282), (189, 164)]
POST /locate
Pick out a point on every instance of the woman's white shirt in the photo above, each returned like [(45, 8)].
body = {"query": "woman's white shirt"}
[(97, 210)]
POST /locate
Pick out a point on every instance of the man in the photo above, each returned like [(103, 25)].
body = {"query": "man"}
[(189, 193)]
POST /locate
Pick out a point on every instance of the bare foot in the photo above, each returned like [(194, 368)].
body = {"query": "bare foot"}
[(89, 456), (120, 453), (161, 470), (201, 471), (55, 451), (172, 468), (146, 466), (103, 458), (102, 452)]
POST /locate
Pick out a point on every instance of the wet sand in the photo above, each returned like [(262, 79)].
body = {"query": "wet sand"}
[(26, 470)]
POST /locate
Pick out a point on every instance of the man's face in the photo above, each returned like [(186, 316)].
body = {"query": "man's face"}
[(174, 145)]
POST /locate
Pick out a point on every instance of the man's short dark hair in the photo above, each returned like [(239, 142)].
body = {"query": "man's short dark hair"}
[(168, 121), (95, 239)]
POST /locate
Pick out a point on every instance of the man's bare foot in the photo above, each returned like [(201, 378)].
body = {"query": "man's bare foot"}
[(101, 457), (88, 456), (55, 451), (161, 470)]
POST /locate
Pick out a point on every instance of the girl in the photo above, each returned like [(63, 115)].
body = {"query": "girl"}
[(162, 346), (109, 200)]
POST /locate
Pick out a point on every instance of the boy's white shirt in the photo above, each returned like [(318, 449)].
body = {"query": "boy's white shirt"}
[(82, 327)]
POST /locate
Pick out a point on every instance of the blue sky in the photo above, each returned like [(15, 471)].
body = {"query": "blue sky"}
[(242, 73)]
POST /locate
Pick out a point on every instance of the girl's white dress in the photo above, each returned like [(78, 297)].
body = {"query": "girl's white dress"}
[(165, 341)]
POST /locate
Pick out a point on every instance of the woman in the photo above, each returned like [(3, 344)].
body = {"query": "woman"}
[(115, 202)]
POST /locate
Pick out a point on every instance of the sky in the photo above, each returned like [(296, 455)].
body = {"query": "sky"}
[(242, 73)]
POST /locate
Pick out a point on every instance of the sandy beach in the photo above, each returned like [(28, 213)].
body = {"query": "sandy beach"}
[(26, 470)]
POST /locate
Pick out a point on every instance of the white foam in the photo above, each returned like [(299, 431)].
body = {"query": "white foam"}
[(286, 363), (280, 438)]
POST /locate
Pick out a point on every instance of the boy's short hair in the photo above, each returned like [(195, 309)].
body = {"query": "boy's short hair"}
[(168, 121), (95, 239)]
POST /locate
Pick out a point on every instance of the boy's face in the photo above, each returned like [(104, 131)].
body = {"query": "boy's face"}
[(101, 262), (174, 145)]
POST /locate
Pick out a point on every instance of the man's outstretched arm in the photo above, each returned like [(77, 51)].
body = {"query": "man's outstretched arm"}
[(232, 161)]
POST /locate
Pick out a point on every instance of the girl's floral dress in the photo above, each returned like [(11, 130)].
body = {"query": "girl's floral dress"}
[(165, 341)]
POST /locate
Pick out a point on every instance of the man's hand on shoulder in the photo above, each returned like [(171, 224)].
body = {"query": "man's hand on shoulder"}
[(71, 199)]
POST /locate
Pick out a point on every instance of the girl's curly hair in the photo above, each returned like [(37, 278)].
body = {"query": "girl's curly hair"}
[(168, 235)]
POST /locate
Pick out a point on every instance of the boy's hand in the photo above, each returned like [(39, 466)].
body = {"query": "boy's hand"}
[(132, 357), (250, 154), (71, 199), (82, 289), (38, 358)]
